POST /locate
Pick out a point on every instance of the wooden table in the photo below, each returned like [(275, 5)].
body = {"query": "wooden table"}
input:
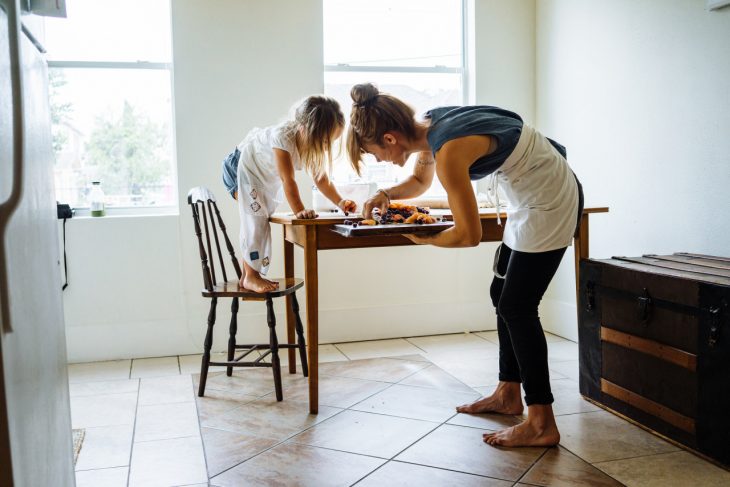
[(317, 234)]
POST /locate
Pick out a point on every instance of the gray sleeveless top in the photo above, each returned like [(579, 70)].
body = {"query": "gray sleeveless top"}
[(448, 123)]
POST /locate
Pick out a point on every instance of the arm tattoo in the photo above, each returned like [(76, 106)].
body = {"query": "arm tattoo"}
[(425, 160)]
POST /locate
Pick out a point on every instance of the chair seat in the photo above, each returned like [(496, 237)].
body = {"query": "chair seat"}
[(232, 289)]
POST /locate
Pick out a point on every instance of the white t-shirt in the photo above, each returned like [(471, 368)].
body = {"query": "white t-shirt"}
[(257, 155)]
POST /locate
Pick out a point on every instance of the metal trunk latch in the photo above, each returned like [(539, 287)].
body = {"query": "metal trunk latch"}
[(714, 326), (590, 296), (645, 307)]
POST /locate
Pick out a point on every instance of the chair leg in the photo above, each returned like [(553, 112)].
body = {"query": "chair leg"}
[(206, 347), (274, 343), (300, 336), (232, 335)]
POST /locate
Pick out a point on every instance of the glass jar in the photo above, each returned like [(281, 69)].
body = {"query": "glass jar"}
[(96, 199)]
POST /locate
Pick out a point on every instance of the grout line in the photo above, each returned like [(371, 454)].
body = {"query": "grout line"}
[(533, 464), (134, 427)]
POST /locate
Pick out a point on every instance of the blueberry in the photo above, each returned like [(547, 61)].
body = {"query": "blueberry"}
[(347, 222)]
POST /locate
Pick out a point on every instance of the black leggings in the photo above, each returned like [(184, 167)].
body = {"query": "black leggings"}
[(522, 346)]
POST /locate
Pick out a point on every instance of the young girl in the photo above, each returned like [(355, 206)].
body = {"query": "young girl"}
[(262, 167)]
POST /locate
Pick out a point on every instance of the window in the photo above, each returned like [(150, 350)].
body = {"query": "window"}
[(111, 104), (413, 49)]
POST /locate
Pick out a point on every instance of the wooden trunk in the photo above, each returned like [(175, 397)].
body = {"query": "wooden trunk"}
[(654, 335)]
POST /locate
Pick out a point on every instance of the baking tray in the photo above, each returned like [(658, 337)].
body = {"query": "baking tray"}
[(390, 229)]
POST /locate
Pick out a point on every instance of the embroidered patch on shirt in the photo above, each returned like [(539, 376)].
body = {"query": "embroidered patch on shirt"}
[(265, 262), (255, 206), (254, 256), (254, 194)]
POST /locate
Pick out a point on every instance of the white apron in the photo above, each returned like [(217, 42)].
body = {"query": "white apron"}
[(542, 195)]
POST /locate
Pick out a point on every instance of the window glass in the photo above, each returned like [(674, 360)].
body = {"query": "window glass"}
[(412, 49), (110, 30), (393, 33), (110, 92)]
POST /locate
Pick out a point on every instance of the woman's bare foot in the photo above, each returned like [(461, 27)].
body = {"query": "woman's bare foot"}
[(539, 429), (505, 399)]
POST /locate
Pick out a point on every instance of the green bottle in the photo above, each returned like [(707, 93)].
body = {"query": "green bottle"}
[(96, 199)]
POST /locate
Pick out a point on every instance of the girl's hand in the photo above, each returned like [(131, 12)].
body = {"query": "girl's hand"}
[(347, 206), (305, 214)]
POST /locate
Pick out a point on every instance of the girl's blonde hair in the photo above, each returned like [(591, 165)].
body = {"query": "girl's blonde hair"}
[(317, 118), (373, 114)]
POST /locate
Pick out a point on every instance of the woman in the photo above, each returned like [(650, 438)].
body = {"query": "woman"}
[(461, 144)]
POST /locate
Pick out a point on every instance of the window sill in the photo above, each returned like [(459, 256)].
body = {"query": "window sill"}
[(133, 212)]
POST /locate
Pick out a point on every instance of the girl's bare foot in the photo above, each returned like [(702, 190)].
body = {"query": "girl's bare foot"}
[(258, 284), (505, 399), (539, 429), (253, 281)]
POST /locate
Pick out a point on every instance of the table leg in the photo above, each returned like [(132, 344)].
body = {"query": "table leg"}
[(311, 285), (290, 320), (580, 245)]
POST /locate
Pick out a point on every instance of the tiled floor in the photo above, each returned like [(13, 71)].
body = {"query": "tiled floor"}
[(386, 418)]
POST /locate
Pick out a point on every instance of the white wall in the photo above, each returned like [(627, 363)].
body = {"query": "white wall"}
[(135, 281), (638, 92)]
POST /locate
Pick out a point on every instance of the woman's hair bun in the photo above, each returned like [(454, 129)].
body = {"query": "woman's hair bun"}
[(364, 94)]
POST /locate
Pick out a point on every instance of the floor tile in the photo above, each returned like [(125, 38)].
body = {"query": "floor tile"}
[(105, 447), (268, 418), (568, 400), (458, 342), (294, 465), (225, 449), (155, 367), (493, 422), (190, 364), (377, 348), (166, 421), (399, 474), (378, 369), (491, 335), (103, 410), (670, 469), (416, 403), (216, 403), (107, 477), (78, 389), (473, 372), (435, 378), (568, 368), (93, 371), (168, 462), (165, 390), (600, 436), (559, 467), (253, 382), (563, 351), (327, 353), (412, 357), (339, 392), (550, 338), (462, 449), (366, 434)]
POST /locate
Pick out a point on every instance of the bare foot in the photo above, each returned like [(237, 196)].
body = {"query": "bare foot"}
[(254, 282), (539, 429), (504, 400)]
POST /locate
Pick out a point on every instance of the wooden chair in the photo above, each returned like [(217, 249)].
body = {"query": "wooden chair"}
[(202, 202)]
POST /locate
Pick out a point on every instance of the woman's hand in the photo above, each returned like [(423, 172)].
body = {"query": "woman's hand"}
[(379, 200), (416, 239), (347, 206), (305, 214)]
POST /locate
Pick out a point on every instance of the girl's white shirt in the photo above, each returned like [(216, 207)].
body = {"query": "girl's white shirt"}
[(257, 155)]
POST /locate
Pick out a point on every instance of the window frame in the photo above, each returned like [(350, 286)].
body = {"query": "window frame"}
[(462, 70)]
